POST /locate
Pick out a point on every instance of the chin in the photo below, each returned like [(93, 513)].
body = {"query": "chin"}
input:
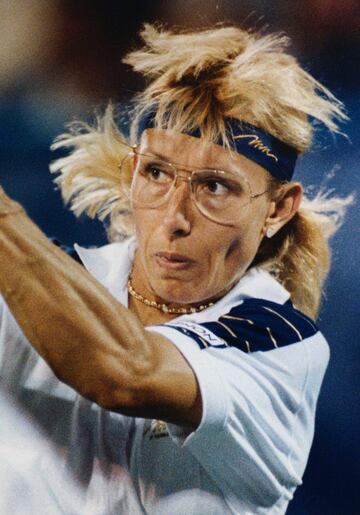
[(172, 292)]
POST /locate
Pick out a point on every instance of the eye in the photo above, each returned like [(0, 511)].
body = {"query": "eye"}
[(157, 173), (215, 184), (216, 187)]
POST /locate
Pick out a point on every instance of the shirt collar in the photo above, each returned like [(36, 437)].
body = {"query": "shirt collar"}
[(111, 266)]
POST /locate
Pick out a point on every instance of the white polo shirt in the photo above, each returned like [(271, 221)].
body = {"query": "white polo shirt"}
[(30, 479), (259, 363)]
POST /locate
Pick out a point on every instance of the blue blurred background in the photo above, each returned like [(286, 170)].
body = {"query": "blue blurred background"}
[(60, 60)]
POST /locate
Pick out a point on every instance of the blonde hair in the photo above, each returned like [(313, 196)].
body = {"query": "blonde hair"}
[(196, 80)]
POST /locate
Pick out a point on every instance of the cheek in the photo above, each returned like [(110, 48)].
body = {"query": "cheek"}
[(245, 243), (144, 233), (144, 224)]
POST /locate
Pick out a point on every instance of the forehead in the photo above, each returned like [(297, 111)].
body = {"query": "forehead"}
[(190, 151)]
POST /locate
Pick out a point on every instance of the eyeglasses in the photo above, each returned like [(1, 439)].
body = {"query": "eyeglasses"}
[(219, 195)]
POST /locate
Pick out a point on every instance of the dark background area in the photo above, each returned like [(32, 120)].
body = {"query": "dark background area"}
[(61, 60)]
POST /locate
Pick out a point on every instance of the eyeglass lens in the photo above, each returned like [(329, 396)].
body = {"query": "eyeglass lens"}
[(218, 195)]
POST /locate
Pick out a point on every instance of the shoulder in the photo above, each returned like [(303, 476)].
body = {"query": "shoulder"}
[(252, 325)]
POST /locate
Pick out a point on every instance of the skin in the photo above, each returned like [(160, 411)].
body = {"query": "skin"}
[(96, 345), (221, 253)]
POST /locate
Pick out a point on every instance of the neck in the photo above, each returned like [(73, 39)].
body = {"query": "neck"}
[(146, 314), (138, 300), (148, 306)]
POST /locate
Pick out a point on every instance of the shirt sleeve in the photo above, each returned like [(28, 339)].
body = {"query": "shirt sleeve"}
[(36, 388), (258, 413)]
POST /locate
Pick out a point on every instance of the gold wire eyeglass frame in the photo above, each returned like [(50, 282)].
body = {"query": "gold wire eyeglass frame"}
[(177, 176)]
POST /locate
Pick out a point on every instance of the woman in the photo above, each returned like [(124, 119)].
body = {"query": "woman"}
[(204, 376)]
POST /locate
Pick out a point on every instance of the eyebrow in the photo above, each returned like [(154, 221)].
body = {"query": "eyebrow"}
[(159, 156), (190, 168)]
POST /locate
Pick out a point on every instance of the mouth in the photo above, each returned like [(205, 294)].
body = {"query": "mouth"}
[(173, 261)]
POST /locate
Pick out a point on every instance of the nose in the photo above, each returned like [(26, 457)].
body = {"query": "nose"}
[(178, 210)]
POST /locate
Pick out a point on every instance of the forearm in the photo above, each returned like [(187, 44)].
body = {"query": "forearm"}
[(90, 340)]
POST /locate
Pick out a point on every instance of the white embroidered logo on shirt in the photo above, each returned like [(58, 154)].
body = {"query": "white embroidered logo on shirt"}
[(204, 333)]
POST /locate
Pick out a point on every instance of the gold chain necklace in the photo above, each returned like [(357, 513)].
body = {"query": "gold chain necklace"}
[(164, 307)]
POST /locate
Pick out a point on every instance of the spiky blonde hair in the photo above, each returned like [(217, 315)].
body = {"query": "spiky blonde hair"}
[(196, 80)]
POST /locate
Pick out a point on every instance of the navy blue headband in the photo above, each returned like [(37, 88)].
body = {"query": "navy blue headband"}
[(274, 155)]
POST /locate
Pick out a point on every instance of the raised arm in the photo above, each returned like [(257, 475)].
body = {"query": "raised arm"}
[(91, 341)]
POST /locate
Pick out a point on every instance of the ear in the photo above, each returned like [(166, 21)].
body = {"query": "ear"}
[(283, 208)]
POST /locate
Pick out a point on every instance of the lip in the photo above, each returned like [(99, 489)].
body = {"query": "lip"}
[(173, 261)]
